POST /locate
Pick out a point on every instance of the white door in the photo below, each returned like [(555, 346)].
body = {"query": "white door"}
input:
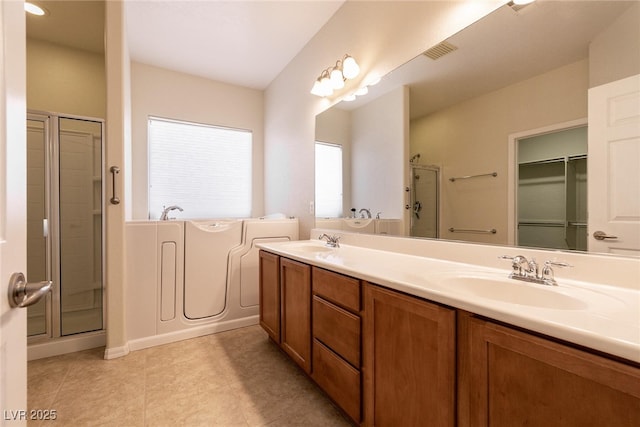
[(613, 169), (13, 190)]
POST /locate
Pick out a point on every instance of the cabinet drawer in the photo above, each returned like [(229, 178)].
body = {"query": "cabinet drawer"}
[(339, 289), (338, 379), (337, 329)]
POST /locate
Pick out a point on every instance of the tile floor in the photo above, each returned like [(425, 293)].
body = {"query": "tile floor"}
[(234, 378)]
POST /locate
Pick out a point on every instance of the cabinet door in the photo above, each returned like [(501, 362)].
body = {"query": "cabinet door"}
[(508, 377), (295, 285), (269, 278), (408, 361)]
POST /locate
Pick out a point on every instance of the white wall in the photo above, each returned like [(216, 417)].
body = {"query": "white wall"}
[(117, 136), (379, 146), (169, 94), (380, 36), (615, 53)]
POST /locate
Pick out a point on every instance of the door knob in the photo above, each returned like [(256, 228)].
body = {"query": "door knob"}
[(23, 294), (601, 235)]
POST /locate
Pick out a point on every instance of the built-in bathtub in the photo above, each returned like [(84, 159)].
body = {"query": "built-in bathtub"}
[(190, 278)]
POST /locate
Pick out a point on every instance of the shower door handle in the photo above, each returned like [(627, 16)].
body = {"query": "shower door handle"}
[(23, 294), (115, 200)]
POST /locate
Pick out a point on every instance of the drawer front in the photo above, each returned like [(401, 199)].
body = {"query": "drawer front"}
[(337, 329), (339, 289), (338, 379)]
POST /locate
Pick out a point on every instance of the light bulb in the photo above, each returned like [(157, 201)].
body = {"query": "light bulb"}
[(350, 67), (317, 88), (350, 97), (362, 91), (325, 85), (373, 79), (337, 80), (522, 2)]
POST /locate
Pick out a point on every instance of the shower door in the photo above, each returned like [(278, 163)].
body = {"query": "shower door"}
[(64, 236), (424, 200)]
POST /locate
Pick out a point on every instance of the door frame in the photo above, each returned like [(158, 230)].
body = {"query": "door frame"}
[(512, 170), (13, 190)]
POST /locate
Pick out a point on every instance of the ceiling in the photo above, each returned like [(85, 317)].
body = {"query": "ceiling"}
[(503, 48), (77, 24), (246, 43)]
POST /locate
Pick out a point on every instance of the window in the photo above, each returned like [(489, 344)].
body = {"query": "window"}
[(328, 180), (206, 170)]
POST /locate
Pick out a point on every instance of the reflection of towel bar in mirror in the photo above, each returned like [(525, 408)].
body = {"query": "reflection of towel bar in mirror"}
[(467, 230), (541, 224), (493, 174)]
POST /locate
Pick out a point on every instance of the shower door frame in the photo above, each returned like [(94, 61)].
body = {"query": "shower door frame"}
[(432, 168), (53, 308)]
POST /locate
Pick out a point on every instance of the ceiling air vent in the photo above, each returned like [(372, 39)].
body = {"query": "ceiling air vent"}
[(440, 50)]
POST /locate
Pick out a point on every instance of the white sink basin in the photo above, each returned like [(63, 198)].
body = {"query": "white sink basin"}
[(514, 292)]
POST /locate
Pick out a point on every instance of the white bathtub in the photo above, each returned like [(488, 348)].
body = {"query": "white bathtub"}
[(192, 278)]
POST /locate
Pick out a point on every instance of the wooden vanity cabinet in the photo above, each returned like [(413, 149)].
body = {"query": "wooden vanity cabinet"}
[(336, 330), (269, 294), (391, 359), (409, 360), (509, 377), (295, 311)]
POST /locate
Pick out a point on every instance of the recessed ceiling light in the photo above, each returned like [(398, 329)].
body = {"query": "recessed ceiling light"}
[(34, 9)]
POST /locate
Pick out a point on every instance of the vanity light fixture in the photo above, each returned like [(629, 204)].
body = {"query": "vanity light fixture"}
[(34, 9), (333, 78)]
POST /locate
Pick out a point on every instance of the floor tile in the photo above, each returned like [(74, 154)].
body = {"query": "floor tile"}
[(234, 378)]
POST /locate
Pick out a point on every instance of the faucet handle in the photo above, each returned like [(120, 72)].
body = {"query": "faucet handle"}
[(547, 272), (557, 264)]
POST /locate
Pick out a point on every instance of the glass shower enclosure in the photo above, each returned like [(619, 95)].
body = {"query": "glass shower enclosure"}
[(65, 223), (425, 184)]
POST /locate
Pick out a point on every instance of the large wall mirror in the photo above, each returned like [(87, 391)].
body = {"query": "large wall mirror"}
[(483, 138)]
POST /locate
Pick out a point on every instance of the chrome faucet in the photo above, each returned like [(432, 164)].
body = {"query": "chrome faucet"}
[(367, 211), (332, 241), (529, 271), (165, 211)]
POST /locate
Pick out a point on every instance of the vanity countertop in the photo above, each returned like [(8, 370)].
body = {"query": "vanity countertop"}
[(597, 316)]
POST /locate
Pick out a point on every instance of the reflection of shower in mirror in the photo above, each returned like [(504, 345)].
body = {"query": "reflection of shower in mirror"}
[(414, 158)]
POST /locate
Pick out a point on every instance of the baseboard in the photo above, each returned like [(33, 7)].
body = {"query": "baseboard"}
[(192, 332), (64, 345), (115, 352)]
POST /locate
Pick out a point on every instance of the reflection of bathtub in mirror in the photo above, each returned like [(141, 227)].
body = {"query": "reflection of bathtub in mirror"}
[(362, 225)]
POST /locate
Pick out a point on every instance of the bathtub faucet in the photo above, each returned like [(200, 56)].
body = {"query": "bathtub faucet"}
[(367, 211), (165, 211)]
